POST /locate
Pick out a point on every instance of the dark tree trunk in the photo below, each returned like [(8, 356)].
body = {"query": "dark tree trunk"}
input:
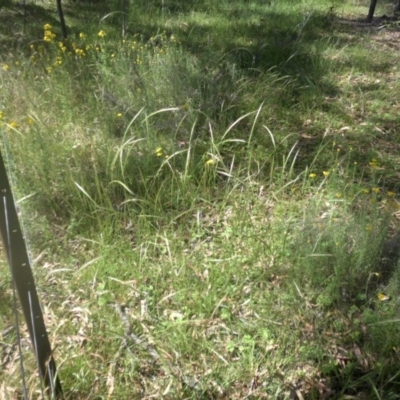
[(371, 10), (372, 6), (62, 20)]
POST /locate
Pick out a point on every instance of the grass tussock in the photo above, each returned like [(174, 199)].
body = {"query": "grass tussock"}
[(207, 199)]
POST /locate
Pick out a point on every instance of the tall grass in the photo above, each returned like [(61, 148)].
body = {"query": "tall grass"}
[(206, 215)]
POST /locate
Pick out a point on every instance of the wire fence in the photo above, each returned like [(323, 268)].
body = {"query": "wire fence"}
[(24, 289)]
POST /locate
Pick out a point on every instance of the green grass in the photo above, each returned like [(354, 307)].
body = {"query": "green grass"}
[(205, 200)]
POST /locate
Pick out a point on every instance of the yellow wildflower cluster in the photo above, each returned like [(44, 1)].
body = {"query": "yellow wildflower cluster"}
[(374, 163), (56, 53), (160, 153), (377, 190), (58, 61), (314, 175), (12, 125), (49, 35), (62, 47), (80, 53)]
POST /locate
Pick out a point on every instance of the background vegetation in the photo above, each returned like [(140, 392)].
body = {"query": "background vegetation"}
[(206, 199)]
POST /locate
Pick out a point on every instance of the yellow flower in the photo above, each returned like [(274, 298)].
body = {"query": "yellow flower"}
[(48, 36), (80, 53), (326, 173), (382, 297), (82, 36), (119, 115), (159, 152), (312, 176), (101, 34), (373, 163), (210, 162), (5, 67), (47, 27), (12, 125), (62, 46), (365, 191), (390, 194), (376, 190), (57, 61), (338, 195)]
